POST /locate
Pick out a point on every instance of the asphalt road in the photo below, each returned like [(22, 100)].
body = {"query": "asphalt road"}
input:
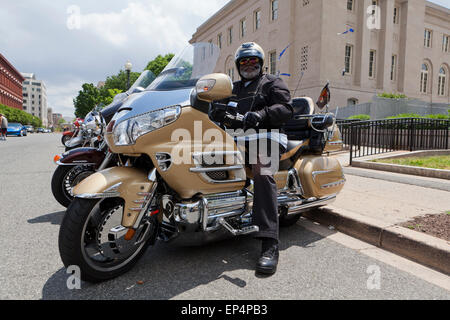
[(312, 265)]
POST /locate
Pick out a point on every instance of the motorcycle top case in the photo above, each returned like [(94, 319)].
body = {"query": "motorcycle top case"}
[(320, 176)]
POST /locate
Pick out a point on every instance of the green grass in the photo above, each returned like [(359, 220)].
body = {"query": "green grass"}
[(435, 162)]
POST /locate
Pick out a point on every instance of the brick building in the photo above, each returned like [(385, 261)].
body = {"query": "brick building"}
[(10, 84)]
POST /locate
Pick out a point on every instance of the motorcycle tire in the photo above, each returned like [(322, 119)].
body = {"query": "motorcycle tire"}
[(80, 230), (66, 177), (65, 139)]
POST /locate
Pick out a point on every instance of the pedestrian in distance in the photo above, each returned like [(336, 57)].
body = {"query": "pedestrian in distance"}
[(3, 127)]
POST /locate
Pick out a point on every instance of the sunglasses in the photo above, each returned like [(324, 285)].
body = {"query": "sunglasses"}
[(249, 61)]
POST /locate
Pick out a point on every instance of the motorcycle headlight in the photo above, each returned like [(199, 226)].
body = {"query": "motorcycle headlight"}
[(127, 132)]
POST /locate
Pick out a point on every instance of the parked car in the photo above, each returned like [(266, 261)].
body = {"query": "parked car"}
[(40, 130), (47, 130), (30, 128), (16, 129)]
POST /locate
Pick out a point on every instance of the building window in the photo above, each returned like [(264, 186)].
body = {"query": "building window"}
[(396, 14), (394, 68), (352, 101), (375, 4), (274, 9), (350, 5), (424, 79), (219, 41), (348, 59), (305, 3), (230, 35), (257, 20), (243, 28), (427, 38), (442, 82), (445, 43), (273, 62), (372, 63)]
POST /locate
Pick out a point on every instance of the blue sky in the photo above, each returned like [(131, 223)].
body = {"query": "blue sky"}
[(67, 45)]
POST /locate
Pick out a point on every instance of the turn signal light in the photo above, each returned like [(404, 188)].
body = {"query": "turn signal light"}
[(56, 158)]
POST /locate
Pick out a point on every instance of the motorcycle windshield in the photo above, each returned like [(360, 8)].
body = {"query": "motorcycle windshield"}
[(144, 80), (187, 67)]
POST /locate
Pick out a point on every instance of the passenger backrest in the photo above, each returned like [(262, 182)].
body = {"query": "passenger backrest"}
[(298, 129)]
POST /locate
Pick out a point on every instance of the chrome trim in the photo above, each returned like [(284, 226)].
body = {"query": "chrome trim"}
[(315, 173), (333, 184), (312, 204), (237, 166), (162, 158), (59, 163), (148, 199), (213, 169), (111, 192)]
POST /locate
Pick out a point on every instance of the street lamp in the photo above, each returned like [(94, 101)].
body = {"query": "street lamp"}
[(128, 67)]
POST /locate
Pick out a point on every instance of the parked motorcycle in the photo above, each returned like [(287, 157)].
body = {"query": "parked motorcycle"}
[(90, 153), (69, 134), (118, 212)]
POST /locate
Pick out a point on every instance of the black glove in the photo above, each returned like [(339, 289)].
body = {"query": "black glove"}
[(217, 112), (253, 119)]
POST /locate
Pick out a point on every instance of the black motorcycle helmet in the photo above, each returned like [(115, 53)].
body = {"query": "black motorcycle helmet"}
[(247, 50)]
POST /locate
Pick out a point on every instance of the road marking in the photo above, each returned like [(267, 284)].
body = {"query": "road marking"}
[(403, 264)]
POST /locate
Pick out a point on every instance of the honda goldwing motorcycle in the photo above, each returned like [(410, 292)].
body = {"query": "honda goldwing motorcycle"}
[(168, 189), (76, 164)]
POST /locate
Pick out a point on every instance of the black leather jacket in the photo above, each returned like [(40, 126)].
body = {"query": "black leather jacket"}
[(267, 94)]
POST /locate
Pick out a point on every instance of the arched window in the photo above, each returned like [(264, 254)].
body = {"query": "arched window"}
[(424, 78), (442, 82)]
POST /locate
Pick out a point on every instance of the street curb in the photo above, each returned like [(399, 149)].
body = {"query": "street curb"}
[(422, 248)]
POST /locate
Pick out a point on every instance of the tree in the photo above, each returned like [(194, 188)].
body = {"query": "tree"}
[(159, 63), (119, 81), (86, 100)]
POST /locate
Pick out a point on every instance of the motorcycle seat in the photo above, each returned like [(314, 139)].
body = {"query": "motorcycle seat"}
[(292, 144)]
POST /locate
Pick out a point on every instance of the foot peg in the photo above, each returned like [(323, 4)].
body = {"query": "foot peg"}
[(238, 232)]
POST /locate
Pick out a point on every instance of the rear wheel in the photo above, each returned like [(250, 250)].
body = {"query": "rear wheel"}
[(92, 237), (65, 178)]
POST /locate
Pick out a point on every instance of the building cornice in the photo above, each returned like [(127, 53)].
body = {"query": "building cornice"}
[(229, 7), (18, 75), (437, 11)]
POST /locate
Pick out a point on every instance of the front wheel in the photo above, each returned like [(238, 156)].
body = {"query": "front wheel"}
[(65, 178), (65, 139), (92, 237)]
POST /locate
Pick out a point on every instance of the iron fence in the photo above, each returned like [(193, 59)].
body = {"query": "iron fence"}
[(365, 138)]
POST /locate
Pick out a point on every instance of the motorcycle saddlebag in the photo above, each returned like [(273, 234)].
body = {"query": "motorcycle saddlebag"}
[(320, 176)]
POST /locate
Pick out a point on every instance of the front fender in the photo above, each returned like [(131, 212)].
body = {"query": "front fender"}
[(75, 142), (130, 184), (82, 156)]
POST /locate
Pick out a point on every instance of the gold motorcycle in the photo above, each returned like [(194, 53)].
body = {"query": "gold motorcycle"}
[(182, 177)]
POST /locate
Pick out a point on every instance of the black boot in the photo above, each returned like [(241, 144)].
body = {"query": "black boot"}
[(268, 261)]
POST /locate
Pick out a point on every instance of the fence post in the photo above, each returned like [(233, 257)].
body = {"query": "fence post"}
[(446, 134)]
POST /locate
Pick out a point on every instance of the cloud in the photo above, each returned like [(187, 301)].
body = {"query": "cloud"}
[(44, 40)]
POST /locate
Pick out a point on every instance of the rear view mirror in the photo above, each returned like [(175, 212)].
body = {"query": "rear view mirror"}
[(215, 86), (324, 97)]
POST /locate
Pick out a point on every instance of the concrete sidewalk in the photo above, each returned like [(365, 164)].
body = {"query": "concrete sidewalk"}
[(373, 203)]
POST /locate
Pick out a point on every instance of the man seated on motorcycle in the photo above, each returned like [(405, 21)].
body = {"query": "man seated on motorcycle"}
[(265, 101)]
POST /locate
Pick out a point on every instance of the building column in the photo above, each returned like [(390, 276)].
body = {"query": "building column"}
[(362, 47), (412, 19), (384, 54)]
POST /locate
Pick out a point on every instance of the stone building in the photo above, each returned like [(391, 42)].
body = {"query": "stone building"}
[(35, 97), (362, 47), (10, 84)]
